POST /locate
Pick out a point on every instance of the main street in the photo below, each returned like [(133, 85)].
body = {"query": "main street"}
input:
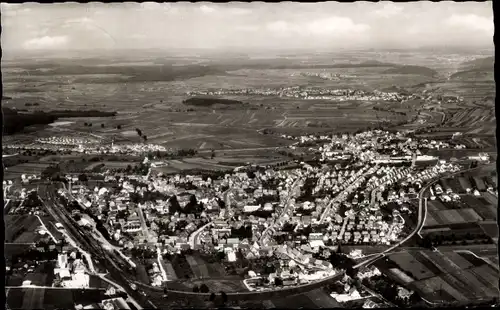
[(341, 196), (286, 208), (193, 239)]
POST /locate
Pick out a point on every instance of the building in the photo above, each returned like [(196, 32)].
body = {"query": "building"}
[(115, 304)]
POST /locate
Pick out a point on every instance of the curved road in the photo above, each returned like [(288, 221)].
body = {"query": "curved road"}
[(422, 215)]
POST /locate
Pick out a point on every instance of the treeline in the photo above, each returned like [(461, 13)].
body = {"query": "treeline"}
[(388, 110), (432, 240), (204, 101), (15, 122)]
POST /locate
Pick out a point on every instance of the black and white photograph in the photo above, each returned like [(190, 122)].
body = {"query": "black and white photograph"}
[(249, 155)]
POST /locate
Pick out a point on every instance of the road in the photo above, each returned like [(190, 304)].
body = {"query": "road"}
[(227, 199), (46, 229), (286, 208), (5, 190), (193, 238), (87, 244), (56, 288), (160, 264), (6, 204), (342, 194), (143, 223)]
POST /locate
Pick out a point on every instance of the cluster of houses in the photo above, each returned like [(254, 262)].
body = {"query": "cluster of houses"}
[(66, 140), (311, 93), (71, 272), (85, 145)]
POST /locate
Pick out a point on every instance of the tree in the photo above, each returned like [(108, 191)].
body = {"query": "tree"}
[(222, 300), (415, 298), (51, 172), (196, 289), (102, 125), (119, 127), (278, 281), (145, 138), (83, 178), (212, 297), (204, 288), (139, 132)]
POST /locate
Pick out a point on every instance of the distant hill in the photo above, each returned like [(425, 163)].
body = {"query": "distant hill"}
[(417, 70), (396, 89), (376, 63), (480, 68), (479, 63)]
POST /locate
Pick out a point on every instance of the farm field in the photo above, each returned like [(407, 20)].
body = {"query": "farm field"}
[(15, 172), (184, 272), (447, 275), (322, 299), (483, 207), (491, 229), (215, 285), (447, 217), (167, 121), (14, 249), (42, 275), (42, 298), (22, 229), (296, 302), (223, 162)]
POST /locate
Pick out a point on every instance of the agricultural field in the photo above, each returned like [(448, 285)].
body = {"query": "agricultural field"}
[(477, 121), (322, 299), (22, 229), (46, 298), (483, 207), (299, 301), (205, 269), (447, 217), (15, 249), (199, 268), (491, 229), (215, 285), (181, 267), (42, 275), (448, 275), (167, 121), (15, 172), (169, 270)]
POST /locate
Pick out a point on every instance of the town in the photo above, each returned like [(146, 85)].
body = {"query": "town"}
[(361, 190), (315, 93)]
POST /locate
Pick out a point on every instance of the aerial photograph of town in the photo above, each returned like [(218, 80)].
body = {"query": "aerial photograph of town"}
[(249, 155)]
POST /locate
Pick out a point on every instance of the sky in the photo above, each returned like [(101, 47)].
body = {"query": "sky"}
[(240, 26)]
